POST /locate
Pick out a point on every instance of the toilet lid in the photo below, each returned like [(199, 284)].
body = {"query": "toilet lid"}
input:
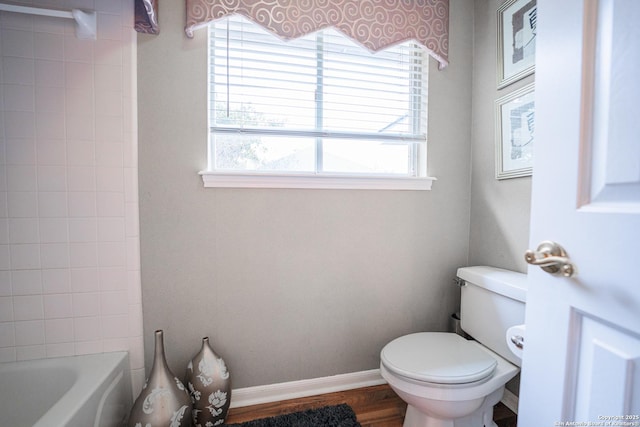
[(437, 357)]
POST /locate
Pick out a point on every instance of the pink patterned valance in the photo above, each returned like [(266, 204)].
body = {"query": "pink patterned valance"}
[(375, 24), (146, 16)]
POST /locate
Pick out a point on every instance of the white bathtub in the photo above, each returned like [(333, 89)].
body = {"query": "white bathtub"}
[(79, 391)]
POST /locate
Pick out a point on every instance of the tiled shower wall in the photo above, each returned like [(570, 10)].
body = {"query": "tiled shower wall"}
[(69, 240)]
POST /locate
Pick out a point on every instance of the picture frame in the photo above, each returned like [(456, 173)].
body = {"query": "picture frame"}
[(515, 126), (516, 40)]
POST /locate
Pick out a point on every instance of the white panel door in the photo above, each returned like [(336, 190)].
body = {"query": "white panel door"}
[(581, 360)]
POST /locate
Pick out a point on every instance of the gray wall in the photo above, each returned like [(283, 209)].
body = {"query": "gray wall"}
[(499, 209), (292, 284)]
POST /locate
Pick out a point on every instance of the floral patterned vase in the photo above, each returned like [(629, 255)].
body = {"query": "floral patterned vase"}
[(209, 386), (164, 401)]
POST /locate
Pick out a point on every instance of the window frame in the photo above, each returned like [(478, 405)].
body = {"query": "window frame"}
[(312, 180)]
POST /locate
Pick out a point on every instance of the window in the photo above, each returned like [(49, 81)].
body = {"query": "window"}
[(318, 111)]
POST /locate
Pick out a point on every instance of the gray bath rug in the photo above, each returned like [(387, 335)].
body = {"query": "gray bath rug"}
[(328, 416)]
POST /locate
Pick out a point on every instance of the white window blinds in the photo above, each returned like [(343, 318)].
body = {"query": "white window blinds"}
[(317, 104)]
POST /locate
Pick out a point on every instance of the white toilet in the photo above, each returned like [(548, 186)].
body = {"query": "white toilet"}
[(448, 381)]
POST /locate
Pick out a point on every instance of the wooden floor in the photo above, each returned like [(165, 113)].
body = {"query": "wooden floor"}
[(376, 406)]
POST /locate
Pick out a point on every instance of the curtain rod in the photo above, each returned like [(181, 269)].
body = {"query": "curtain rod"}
[(85, 20)]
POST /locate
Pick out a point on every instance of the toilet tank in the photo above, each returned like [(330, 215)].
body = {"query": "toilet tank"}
[(491, 301)]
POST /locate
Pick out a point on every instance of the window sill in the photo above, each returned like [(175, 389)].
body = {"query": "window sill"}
[(311, 181)]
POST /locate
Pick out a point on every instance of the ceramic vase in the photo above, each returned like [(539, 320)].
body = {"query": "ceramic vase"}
[(164, 400), (209, 385)]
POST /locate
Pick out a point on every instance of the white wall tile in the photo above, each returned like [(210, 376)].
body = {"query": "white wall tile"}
[(20, 151), (18, 71), (81, 127), (86, 304), (29, 332), (108, 52), (87, 328), (50, 125), (49, 73), (114, 303), (79, 101), (30, 352), (4, 205), (82, 255), (5, 283), (21, 178), (109, 128), (109, 26), (17, 43), (84, 280), (115, 344), (111, 254), (57, 306), (50, 99), (4, 231), (53, 230), (51, 152), (81, 153), (108, 103), (111, 230), (81, 178), (58, 331), (17, 21), (25, 257), (56, 281), (83, 230), (135, 320), (113, 279), (115, 326), (110, 179), (54, 255), (134, 287), (77, 50), (19, 124), (66, 234), (89, 347), (23, 230), (28, 307), (60, 349), (5, 258), (52, 178), (109, 78), (7, 354), (6, 309), (131, 185), (48, 24), (110, 155), (49, 46), (26, 282), (7, 334), (18, 97), (82, 204), (110, 204), (52, 204)]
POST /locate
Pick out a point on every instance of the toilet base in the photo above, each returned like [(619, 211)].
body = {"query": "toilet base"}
[(482, 417)]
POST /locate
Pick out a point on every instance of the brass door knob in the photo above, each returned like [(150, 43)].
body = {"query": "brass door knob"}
[(552, 258)]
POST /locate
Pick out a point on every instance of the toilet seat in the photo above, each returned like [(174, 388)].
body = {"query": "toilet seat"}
[(437, 357)]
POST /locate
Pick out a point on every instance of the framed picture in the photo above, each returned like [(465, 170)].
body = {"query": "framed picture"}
[(516, 40), (515, 125)]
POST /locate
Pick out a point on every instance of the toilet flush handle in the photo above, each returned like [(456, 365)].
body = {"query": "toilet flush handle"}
[(552, 258), (518, 341)]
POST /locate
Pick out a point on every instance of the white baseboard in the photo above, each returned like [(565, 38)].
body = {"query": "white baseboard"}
[(510, 400), (295, 389)]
